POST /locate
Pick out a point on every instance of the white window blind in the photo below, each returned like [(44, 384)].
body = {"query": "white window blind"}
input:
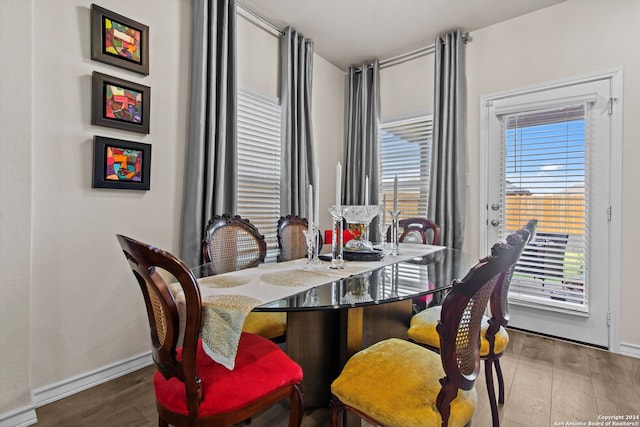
[(544, 177), (259, 149), (405, 152)]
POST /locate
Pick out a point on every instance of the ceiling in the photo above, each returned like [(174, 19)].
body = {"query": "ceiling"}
[(349, 32)]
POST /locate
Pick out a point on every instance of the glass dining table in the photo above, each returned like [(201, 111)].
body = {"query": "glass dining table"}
[(345, 311)]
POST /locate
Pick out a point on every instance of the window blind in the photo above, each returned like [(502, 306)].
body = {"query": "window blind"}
[(259, 150), (405, 152), (544, 176)]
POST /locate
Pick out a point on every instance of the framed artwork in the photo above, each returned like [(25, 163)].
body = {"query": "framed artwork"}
[(119, 41), (120, 104), (121, 164)]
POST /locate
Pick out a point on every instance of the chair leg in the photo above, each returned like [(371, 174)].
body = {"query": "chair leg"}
[(488, 375), (500, 381), (337, 412), (296, 407), (162, 423)]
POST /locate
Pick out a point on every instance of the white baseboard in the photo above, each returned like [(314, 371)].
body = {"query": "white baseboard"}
[(53, 392), (19, 418), (632, 350)]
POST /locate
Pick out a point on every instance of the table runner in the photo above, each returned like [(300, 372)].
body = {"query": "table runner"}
[(228, 298)]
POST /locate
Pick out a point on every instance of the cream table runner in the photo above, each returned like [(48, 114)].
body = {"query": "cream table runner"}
[(228, 298)]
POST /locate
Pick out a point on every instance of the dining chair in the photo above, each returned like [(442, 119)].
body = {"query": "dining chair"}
[(417, 230), (396, 382), (191, 389), (494, 336), (233, 243), (291, 240)]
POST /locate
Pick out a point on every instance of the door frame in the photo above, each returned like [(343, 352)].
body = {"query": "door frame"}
[(615, 77)]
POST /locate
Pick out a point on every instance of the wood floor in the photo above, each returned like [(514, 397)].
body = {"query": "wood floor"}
[(548, 383)]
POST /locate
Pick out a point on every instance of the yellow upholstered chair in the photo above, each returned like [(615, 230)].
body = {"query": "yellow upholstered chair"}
[(190, 388), (399, 383), (232, 243), (494, 337)]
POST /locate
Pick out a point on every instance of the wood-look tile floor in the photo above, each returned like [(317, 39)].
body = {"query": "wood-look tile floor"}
[(548, 383)]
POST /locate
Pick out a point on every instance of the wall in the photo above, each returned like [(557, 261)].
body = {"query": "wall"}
[(15, 209), (406, 89)]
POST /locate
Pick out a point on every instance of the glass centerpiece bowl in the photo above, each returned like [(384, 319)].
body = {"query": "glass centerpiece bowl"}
[(359, 217)]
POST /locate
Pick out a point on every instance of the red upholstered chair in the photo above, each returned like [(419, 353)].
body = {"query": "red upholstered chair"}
[(191, 389), (232, 243), (291, 240), (422, 387), (494, 336)]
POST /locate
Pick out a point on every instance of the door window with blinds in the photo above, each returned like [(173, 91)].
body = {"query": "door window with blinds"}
[(259, 153), (544, 176), (405, 152), (546, 154)]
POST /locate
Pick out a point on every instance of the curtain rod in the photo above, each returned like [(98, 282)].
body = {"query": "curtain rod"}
[(260, 18), (466, 38)]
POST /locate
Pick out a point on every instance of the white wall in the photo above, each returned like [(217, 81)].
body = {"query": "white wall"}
[(406, 89), (15, 209), (87, 310)]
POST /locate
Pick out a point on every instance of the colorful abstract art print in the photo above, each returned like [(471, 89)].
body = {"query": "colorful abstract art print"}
[(120, 104), (123, 104), (119, 41), (121, 164)]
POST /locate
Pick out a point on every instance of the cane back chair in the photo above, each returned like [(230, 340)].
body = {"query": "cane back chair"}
[(425, 388), (291, 240), (191, 389), (233, 243), (494, 336)]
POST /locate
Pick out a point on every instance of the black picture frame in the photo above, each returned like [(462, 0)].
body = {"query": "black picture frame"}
[(119, 103), (119, 41), (122, 164)]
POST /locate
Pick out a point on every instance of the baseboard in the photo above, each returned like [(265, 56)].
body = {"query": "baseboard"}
[(631, 350), (19, 418), (51, 393)]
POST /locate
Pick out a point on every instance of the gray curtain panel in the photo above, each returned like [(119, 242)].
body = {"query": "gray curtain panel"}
[(447, 195), (297, 132), (211, 168), (361, 151)]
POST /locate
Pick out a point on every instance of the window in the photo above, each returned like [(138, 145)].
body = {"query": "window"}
[(259, 149), (405, 152), (544, 178)]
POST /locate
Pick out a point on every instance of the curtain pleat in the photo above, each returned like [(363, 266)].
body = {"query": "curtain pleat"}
[(362, 147), (298, 161), (211, 165), (447, 195)]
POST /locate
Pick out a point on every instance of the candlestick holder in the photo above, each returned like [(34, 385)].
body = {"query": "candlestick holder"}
[(316, 244), (311, 239), (395, 214), (337, 247)]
